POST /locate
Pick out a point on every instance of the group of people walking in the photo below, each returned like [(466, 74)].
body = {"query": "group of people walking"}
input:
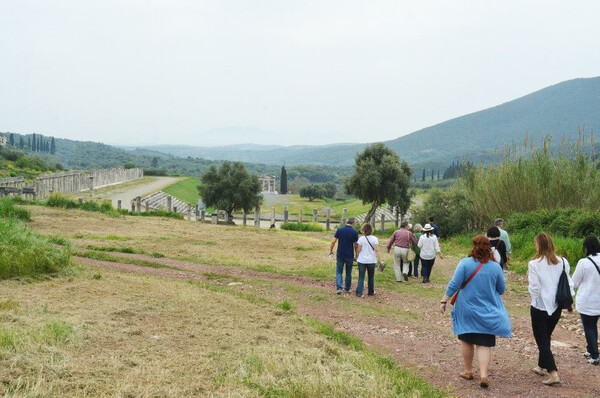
[(478, 314)]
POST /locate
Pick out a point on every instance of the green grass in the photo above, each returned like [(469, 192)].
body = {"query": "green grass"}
[(185, 190), (295, 202), (9, 210), (24, 253), (305, 227)]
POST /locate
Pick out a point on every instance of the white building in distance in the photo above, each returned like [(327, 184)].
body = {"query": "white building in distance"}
[(268, 183), (3, 141)]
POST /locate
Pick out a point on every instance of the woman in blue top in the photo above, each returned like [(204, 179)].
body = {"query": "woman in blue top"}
[(478, 315)]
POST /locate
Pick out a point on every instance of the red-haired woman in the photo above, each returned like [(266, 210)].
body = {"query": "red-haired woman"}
[(478, 315), (543, 274)]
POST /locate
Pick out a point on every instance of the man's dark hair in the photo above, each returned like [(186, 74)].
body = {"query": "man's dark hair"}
[(493, 232), (591, 245), (430, 219), (350, 221)]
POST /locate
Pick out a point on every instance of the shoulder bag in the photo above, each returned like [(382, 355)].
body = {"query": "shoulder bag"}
[(465, 283), (563, 292), (595, 265)]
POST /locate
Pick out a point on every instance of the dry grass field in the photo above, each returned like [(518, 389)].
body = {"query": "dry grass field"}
[(107, 333), (164, 307)]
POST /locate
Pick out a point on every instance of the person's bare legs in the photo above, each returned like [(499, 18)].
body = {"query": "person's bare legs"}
[(468, 350), (484, 355)]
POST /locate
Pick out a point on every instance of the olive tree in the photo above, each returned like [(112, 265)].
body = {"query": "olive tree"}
[(379, 177), (312, 192), (230, 188)]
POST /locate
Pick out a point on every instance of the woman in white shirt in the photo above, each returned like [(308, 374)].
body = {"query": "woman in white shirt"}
[(543, 274), (430, 247), (367, 256), (587, 279)]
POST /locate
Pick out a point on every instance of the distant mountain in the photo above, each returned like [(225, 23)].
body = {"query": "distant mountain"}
[(556, 110)]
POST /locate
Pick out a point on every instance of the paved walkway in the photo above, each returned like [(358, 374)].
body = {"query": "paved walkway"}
[(129, 191)]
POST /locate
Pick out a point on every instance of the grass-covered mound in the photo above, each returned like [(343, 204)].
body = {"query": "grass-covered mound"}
[(25, 253)]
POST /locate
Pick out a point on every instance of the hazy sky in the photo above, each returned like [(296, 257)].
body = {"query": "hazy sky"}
[(284, 72)]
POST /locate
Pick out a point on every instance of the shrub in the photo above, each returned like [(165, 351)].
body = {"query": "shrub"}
[(59, 200), (304, 227), (9, 210), (25, 253)]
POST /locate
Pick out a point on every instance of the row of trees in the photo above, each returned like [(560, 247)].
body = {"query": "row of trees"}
[(380, 176), (35, 143)]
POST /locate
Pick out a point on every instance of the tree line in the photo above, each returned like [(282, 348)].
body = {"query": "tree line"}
[(34, 143)]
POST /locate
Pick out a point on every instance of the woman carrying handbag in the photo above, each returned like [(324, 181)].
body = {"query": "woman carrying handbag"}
[(478, 315)]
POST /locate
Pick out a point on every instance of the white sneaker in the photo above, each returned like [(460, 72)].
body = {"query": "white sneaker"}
[(587, 354), (594, 361)]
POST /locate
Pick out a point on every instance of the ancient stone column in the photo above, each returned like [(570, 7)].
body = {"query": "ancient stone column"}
[(169, 203), (138, 201), (91, 186), (382, 222), (315, 217), (202, 215), (133, 206), (273, 215), (147, 203), (300, 215), (244, 218), (257, 217), (344, 216), (119, 204), (328, 223), (189, 212), (214, 219), (286, 214)]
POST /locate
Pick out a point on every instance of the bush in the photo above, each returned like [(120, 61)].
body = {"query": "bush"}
[(25, 253), (11, 156), (304, 227), (570, 222), (59, 200), (9, 210), (449, 209), (155, 172)]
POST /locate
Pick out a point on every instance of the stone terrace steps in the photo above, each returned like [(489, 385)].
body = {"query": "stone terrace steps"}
[(158, 201)]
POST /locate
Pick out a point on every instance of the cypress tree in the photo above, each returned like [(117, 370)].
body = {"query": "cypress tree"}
[(423, 179), (431, 174), (11, 140), (21, 143), (284, 188), (39, 145), (29, 143), (34, 143), (52, 146)]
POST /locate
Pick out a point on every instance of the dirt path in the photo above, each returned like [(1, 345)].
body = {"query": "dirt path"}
[(130, 192), (421, 339)]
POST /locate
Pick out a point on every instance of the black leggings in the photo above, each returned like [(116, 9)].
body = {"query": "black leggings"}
[(543, 325)]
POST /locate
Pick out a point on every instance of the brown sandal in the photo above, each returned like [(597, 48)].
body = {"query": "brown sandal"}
[(484, 382), (466, 375)]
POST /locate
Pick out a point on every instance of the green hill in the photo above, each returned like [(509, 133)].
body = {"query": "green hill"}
[(558, 110)]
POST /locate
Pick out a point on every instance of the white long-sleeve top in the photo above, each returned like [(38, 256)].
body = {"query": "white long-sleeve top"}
[(587, 279), (429, 246), (543, 283)]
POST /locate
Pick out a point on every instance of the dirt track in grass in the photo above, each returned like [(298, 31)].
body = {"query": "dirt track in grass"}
[(409, 327)]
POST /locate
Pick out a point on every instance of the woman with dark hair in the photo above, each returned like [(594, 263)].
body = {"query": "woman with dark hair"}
[(587, 279), (493, 234), (543, 273), (478, 315)]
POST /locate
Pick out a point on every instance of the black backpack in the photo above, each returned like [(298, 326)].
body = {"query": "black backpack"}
[(563, 293)]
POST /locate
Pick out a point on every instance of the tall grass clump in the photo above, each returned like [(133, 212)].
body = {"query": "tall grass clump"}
[(25, 253), (9, 210), (536, 179), (304, 227)]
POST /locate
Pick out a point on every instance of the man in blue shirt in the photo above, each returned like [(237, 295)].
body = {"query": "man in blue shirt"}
[(347, 246), (436, 229)]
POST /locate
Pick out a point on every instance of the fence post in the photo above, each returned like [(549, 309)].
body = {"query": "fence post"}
[(202, 215), (344, 216), (189, 212), (300, 215), (315, 215), (138, 202), (169, 208), (257, 217), (382, 222), (328, 224), (244, 218), (286, 214), (119, 204)]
